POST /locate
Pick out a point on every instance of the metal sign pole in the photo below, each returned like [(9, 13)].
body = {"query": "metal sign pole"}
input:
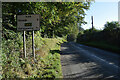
[(24, 45), (33, 49)]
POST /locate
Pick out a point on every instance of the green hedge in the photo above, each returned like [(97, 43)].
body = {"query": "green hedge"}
[(103, 46), (105, 39)]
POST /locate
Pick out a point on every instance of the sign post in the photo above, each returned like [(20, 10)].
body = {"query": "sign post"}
[(24, 44), (28, 23), (33, 49)]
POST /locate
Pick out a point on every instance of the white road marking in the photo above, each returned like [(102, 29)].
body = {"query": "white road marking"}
[(85, 51)]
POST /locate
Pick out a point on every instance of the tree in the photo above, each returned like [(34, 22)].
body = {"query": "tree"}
[(111, 25), (57, 18)]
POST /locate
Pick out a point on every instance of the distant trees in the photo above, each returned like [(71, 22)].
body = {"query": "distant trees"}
[(111, 25)]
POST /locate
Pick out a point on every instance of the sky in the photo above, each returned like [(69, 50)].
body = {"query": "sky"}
[(102, 11)]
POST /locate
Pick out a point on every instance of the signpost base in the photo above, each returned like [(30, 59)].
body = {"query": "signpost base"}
[(33, 49), (24, 44)]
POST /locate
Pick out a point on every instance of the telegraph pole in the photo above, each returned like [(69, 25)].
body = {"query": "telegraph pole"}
[(92, 22)]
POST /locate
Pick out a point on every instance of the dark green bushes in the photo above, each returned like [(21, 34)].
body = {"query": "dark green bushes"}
[(110, 35), (88, 35), (71, 37)]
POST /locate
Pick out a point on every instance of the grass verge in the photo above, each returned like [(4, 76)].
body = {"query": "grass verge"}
[(46, 66), (103, 46)]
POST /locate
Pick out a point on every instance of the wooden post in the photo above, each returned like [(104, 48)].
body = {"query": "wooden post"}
[(24, 44), (92, 22), (33, 49)]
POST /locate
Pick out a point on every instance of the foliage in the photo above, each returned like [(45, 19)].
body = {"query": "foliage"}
[(111, 25), (58, 19), (103, 45), (110, 36), (71, 37), (47, 66)]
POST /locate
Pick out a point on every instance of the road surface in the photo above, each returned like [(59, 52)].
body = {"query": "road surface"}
[(82, 62)]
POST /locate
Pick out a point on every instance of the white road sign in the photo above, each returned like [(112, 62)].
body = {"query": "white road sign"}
[(28, 22)]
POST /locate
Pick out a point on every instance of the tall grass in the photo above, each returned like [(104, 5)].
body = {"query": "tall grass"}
[(47, 64)]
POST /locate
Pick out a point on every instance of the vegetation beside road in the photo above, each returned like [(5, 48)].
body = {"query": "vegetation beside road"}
[(103, 46), (57, 19), (107, 39), (47, 63)]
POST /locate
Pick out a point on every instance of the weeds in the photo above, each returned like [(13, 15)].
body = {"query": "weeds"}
[(47, 63)]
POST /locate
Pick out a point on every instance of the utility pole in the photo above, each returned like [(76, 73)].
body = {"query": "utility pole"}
[(92, 22)]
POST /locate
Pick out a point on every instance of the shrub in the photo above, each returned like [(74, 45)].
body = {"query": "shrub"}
[(71, 37)]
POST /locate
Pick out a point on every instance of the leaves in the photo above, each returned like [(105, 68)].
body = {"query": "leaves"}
[(111, 25), (53, 15), (57, 19)]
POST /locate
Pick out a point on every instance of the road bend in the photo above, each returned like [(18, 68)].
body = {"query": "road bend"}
[(82, 62)]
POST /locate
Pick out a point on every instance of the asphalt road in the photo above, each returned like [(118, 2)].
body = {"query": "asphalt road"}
[(81, 62)]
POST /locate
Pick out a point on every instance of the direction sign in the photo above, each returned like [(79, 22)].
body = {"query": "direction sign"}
[(28, 22)]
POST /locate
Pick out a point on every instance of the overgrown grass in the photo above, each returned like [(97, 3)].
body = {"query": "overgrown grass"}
[(47, 64), (103, 45)]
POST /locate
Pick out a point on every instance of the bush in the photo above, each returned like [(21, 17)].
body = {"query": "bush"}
[(110, 37), (46, 66), (71, 37), (111, 25)]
